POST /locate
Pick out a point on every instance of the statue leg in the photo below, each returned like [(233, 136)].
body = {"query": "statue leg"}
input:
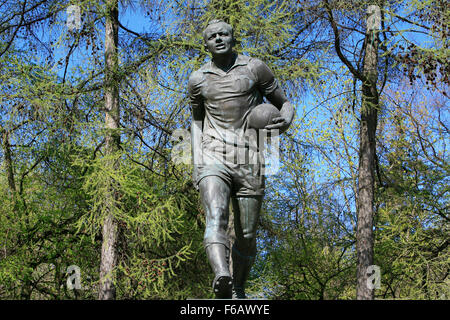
[(215, 195), (246, 218)]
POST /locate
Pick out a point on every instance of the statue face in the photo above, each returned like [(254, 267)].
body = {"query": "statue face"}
[(218, 39)]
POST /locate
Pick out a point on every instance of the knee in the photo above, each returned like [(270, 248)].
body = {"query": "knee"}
[(215, 207), (216, 225)]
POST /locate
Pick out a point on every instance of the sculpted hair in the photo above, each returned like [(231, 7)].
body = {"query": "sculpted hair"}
[(216, 21)]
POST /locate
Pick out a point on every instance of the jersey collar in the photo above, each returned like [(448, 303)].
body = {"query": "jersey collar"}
[(211, 68)]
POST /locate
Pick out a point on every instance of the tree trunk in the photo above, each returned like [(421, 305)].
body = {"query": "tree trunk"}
[(4, 136), (110, 230), (8, 161), (366, 177)]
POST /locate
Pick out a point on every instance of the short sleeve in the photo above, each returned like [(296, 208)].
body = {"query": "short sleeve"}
[(265, 78), (194, 90)]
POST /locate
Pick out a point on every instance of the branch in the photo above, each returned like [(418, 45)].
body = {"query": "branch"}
[(337, 45), (22, 18)]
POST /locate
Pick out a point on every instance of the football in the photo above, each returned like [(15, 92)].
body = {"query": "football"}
[(262, 115)]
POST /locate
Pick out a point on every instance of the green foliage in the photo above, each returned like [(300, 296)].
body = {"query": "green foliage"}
[(52, 206), (412, 234)]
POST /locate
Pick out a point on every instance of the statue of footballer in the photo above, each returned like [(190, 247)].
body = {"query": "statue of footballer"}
[(223, 93)]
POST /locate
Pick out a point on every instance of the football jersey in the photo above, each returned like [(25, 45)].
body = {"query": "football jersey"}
[(228, 97)]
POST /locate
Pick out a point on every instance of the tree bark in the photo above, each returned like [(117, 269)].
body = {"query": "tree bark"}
[(110, 230), (8, 161), (367, 149)]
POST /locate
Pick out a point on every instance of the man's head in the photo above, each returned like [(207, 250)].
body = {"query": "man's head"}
[(218, 37)]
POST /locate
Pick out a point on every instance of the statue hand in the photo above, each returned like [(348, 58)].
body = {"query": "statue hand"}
[(279, 123)]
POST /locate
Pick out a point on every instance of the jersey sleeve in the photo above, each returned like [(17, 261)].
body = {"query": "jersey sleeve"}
[(265, 78), (194, 92)]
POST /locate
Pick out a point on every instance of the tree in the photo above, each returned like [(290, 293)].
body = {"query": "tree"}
[(112, 140), (334, 141), (64, 171), (60, 160), (367, 150), (411, 244)]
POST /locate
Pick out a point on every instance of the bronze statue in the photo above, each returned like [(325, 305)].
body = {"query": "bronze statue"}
[(222, 93)]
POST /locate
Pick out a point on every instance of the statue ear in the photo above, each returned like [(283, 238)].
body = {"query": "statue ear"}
[(206, 47)]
